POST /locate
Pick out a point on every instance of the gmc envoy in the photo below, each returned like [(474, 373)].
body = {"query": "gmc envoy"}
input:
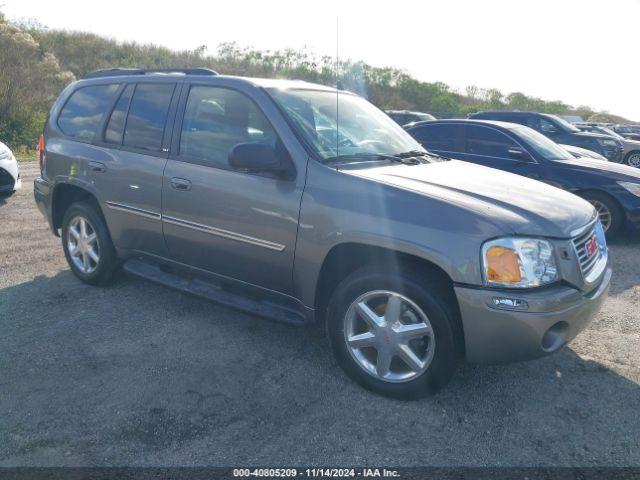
[(301, 203)]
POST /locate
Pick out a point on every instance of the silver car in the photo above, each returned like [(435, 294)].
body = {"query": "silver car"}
[(303, 204)]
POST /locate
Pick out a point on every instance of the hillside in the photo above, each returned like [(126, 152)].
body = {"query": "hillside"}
[(38, 63)]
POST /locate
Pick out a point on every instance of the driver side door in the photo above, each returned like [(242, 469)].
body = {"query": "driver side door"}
[(235, 224)]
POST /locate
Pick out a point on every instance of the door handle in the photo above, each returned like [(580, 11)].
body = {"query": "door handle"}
[(97, 167), (180, 183)]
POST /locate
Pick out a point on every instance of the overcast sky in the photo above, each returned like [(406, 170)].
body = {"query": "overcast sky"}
[(583, 52)]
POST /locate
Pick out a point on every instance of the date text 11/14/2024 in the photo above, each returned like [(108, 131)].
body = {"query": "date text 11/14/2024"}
[(316, 472)]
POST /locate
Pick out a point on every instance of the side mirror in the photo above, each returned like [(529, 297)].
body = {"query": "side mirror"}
[(518, 153), (255, 158)]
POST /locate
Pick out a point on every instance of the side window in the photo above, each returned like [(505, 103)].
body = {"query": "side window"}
[(115, 127), (144, 126), (83, 112), (488, 142), (439, 137), (401, 118), (515, 119), (547, 127), (216, 120)]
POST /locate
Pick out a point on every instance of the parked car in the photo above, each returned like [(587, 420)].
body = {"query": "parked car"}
[(632, 132), (560, 131), (9, 172), (405, 117), (631, 152), (578, 152), (614, 190), (231, 188)]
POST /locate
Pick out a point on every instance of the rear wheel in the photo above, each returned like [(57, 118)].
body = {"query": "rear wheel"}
[(609, 212), (87, 245), (633, 159), (393, 333)]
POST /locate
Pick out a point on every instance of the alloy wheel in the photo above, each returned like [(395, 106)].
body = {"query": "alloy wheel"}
[(604, 213), (82, 243), (389, 336), (634, 160)]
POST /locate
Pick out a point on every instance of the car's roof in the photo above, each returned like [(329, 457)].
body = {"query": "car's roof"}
[(281, 83), (511, 113), (259, 82), (408, 112), (468, 121)]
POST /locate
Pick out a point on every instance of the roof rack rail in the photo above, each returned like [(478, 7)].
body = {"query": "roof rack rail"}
[(115, 72)]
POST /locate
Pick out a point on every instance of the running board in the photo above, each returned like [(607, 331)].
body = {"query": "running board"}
[(214, 291)]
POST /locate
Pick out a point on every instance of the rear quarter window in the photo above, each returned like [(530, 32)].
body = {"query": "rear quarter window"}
[(84, 110)]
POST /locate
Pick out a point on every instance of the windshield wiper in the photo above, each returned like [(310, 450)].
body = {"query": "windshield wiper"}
[(421, 153), (371, 157)]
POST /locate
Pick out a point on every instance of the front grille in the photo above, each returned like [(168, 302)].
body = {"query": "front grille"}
[(587, 263)]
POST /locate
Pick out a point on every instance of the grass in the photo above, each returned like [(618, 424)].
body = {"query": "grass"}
[(26, 156)]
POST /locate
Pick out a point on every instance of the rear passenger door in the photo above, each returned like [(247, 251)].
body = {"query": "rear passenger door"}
[(236, 224), (134, 139)]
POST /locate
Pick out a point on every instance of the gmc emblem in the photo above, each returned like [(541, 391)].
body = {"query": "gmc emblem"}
[(591, 247)]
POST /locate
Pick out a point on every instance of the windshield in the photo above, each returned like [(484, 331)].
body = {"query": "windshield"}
[(363, 129), (566, 126), (608, 131), (426, 116), (546, 148)]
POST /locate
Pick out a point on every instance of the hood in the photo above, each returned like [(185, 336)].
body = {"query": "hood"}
[(613, 171), (594, 135), (515, 204)]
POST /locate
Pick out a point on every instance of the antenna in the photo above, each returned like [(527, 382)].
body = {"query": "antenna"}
[(337, 89)]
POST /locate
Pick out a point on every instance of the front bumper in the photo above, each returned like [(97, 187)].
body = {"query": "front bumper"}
[(614, 154), (9, 182), (554, 317)]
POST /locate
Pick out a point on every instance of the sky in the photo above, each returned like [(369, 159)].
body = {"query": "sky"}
[(582, 52)]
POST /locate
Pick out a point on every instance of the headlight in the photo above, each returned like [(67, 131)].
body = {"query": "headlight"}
[(606, 142), (633, 188), (518, 262)]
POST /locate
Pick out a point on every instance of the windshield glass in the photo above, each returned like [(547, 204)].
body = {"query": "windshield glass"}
[(608, 131), (363, 129), (566, 126), (426, 116), (542, 145)]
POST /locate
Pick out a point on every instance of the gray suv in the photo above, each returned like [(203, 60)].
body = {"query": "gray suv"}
[(258, 195)]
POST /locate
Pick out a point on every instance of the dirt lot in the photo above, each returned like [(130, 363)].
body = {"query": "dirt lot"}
[(137, 374)]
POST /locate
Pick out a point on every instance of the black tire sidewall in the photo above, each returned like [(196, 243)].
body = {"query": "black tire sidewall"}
[(108, 260), (430, 298)]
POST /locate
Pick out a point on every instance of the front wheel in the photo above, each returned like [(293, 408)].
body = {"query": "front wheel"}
[(87, 244), (394, 333), (633, 159), (609, 212)]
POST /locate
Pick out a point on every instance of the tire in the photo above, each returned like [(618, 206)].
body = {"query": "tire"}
[(633, 159), (99, 254), (607, 208), (439, 353)]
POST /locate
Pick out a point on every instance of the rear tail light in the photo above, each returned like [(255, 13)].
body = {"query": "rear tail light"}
[(41, 150)]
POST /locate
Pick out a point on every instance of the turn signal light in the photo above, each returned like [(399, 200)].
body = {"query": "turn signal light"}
[(502, 265)]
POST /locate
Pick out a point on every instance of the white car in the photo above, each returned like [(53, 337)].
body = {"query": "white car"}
[(9, 172)]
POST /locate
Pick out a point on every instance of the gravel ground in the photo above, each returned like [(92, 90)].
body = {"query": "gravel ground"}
[(138, 374)]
